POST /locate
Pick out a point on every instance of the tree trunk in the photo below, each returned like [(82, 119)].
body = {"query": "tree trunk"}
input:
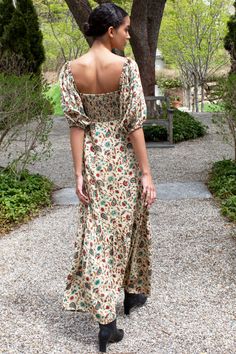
[(195, 92), (187, 97), (202, 97), (80, 10), (146, 16), (146, 19)]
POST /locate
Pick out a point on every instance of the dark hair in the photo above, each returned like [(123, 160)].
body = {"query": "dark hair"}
[(102, 17)]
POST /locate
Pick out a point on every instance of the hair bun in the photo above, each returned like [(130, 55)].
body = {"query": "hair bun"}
[(101, 18), (87, 28)]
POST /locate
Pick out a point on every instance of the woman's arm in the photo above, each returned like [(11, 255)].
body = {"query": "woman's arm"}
[(77, 146), (138, 142)]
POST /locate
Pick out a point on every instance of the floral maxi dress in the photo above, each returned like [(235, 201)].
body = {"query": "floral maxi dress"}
[(113, 242)]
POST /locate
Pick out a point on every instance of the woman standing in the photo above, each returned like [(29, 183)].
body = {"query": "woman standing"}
[(103, 101)]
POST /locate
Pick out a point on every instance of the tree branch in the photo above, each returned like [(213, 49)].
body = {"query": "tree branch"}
[(80, 9)]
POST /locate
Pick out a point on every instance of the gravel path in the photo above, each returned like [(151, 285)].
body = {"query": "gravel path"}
[(192, 307)]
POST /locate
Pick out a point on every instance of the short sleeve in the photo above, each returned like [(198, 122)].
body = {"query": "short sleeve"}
[(71, 101), (133, 105)]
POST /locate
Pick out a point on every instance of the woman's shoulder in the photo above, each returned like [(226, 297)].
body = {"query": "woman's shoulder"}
[(86, 60)]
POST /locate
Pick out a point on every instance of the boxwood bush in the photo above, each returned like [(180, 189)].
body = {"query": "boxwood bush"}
[(222, 183), (22, 196), (185, 127)]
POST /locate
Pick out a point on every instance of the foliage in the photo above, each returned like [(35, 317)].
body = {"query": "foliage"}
[(222, 183), (213, 107), (225, 93), (185, 127), (20, 37), (22, 196), (155, 133), (164, 83), (191, 37), (62, 37), (54, 95), (230, 40), (188, 26), (24, 120)]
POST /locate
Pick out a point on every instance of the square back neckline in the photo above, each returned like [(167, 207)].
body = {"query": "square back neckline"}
[(97, 94)]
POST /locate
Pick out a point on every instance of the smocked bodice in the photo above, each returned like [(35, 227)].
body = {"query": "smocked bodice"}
[(102, 107), (125, 108)]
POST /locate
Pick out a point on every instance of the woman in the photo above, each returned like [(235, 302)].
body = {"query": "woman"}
[(103, 101)]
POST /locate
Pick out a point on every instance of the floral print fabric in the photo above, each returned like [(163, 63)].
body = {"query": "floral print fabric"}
[(113, 241)]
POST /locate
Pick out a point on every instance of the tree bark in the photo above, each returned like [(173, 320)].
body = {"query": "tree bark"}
[(202, 97), (196, 92), (145, 18), (80, 10), (187, 97)]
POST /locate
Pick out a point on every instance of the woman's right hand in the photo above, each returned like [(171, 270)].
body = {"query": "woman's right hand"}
[(80, 190), (149, 190)]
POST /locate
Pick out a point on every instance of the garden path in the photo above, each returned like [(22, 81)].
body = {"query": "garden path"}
[(192, 307)]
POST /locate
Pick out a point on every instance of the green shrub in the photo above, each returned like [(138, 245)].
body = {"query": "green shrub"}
[(20, 38), (213, 107), (22, 195), (54, 95), (222, 184), (24, 119), (185, 127), (164, 83), (156, 133)]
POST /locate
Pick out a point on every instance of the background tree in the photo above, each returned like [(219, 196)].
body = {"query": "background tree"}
[(21, 48), (230, 40), (62, 38), (146, 16), (191, 37)]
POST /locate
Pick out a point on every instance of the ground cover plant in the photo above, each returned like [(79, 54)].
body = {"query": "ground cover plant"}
[(222, 183), (22, 196)]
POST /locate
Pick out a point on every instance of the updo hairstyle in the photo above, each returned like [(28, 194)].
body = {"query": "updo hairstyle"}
[(103, 17)]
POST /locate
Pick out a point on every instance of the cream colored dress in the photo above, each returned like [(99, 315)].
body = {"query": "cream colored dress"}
[(113, 242)]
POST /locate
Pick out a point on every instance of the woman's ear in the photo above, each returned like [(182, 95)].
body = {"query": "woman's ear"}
[(111, 31)]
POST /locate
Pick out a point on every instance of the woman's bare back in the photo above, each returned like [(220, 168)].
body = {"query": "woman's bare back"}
[(97, 74)]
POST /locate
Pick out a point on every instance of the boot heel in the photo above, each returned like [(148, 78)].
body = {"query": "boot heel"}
[(103, 340), (109, 333), (126, 309), (133, 300), (103, 346)]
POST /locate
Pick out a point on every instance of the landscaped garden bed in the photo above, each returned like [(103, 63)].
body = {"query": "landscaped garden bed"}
[(22, 196), (222, 183)]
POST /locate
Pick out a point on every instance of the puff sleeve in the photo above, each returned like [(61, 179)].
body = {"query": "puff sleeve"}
[(133, 105), (71, 101)]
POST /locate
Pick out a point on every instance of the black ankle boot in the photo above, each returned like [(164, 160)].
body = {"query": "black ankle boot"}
[(109, 334), (133, 300)]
